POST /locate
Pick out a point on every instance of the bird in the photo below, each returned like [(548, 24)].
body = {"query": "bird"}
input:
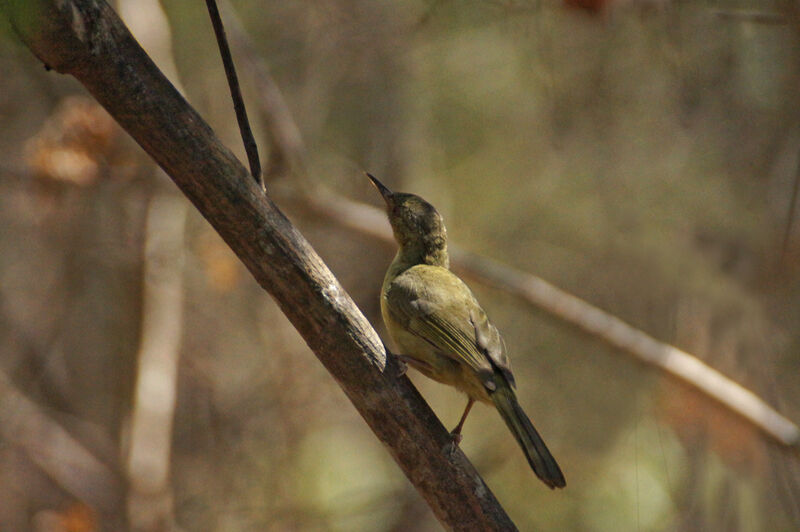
[(442, 331)]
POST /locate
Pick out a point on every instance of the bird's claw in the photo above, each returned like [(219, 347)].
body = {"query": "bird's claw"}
[(399, 360), (455, 441), (402, 366)]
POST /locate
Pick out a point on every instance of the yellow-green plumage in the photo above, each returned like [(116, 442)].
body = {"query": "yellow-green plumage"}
[(441, 329)]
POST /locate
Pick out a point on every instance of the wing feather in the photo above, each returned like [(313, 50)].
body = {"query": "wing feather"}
[(435, 305)]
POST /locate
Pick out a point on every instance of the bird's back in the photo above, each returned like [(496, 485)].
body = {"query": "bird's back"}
[(433, 317)]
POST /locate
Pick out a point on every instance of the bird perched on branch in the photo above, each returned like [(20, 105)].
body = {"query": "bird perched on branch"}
[(441, 329)]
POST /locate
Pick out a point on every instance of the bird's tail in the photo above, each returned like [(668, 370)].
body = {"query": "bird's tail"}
[(539, 457)]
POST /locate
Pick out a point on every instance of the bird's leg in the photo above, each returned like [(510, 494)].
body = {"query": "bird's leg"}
[(402, 365), (401, 360), (456, 432)]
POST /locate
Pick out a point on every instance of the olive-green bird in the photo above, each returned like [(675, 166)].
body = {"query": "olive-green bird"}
[(441, 329)]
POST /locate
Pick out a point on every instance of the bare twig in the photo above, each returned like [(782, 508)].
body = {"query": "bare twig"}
[(288, 151), (86, 39), (629, 339), (236, 93), (570, 309)]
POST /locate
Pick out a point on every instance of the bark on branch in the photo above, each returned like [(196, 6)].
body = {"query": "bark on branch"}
[(86, 39)]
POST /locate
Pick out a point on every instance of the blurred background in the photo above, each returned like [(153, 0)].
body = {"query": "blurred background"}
[(642, 155)]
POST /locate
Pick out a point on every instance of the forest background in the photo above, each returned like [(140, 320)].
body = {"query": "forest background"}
[(642, 156)]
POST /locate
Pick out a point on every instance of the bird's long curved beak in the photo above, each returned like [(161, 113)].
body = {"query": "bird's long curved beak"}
[(385, 192)]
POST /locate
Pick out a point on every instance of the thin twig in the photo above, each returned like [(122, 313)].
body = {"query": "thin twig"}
[(236, 94), (149, 108), (587, 317), (288, 151)]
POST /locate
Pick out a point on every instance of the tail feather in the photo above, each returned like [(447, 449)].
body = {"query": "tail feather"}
[(539, 457)]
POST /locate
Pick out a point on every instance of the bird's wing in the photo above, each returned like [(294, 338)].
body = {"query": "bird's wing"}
[(434, 304)]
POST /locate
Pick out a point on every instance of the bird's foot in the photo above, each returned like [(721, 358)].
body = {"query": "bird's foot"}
[(455, 434), (455, 441), (402, 365)]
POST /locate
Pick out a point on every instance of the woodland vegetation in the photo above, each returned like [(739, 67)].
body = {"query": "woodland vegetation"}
[(642, 156)]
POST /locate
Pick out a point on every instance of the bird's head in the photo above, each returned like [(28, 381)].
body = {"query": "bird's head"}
[(413, 220), (417, 225)]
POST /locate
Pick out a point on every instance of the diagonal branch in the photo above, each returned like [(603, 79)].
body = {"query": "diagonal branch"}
[(86, 39), (577, 312)]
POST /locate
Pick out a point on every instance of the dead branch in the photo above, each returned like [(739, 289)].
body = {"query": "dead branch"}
[(577, 312), (86, 39)]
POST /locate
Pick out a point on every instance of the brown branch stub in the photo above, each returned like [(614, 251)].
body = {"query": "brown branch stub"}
[(86, 38)]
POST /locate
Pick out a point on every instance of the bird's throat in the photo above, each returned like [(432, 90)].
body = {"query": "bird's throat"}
[(432, 253)]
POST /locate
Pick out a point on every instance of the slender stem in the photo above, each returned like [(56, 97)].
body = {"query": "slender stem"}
[(86, 39), (236, 93)]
